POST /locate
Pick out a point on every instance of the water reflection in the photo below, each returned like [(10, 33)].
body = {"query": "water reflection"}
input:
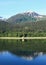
[(7, 58)]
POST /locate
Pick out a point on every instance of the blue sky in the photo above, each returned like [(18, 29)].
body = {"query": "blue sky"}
[(12, 7)]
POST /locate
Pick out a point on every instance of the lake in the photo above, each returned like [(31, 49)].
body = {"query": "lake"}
[(8, 58), (28, 47), (16, 52)]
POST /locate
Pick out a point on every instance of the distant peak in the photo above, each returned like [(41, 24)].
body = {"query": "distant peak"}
[(31, 13), (1, 17)]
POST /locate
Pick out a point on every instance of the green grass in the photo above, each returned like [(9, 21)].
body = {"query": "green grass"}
[(25, 34)]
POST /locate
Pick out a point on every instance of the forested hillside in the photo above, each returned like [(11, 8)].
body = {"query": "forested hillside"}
[(23, 23)]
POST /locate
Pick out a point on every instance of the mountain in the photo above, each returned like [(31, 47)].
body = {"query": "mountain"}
[(26, 21), (3, 26), (24, 17), (32, 14)]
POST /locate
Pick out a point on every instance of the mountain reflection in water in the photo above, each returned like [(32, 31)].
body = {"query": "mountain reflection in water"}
[(7, 58)]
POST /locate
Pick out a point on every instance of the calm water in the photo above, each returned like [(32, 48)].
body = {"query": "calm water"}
[(7, 58)]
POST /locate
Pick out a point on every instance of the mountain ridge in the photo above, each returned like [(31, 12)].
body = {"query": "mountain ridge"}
[(27, 21), (24, 17)]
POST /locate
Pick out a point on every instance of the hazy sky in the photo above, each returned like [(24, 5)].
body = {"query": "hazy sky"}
[(12, 7)]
